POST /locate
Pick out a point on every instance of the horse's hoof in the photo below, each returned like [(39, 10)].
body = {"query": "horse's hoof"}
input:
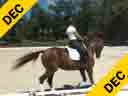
[(32, 94), (52, 89), (68, 86), (84, 84), (41, 88)]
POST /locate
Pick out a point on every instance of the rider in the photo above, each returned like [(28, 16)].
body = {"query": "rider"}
[(75, 39)]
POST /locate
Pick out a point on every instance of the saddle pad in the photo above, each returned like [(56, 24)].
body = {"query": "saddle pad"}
[(73, 53)]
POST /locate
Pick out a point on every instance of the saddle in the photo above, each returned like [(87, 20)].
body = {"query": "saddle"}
[(73, 53)]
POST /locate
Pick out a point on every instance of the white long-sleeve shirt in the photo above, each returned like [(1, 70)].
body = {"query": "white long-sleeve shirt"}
[(71, 32)]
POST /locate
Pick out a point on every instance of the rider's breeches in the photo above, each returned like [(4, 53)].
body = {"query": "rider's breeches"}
[(78, 45)]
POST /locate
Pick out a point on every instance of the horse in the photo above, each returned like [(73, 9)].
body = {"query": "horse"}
[(58, 58)]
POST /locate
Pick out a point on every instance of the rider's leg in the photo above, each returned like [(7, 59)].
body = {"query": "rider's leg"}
[(78, 46)]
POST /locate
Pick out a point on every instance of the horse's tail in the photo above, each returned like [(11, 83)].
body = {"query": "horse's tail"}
[(26, 58)]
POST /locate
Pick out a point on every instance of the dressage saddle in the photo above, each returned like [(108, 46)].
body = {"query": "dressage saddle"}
[(74, 55)]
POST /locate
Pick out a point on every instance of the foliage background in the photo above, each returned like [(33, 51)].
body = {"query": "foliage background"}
[(46, 23)]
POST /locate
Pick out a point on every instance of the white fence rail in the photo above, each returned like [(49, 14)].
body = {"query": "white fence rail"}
[(65, 92), (75, 92), (71, 92)]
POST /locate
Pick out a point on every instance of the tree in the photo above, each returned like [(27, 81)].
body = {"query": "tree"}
[(64, 7), (116, 24)]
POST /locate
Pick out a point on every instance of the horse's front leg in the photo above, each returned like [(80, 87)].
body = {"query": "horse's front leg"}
[(84, 79), (90, 74), (82, 73)]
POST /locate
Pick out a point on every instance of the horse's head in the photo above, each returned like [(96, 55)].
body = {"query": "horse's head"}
[(98, 45), (95, 42)]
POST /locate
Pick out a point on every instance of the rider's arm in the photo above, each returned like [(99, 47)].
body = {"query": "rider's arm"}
[(78, 35)]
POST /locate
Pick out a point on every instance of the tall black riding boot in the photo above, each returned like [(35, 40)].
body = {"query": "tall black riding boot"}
[(82, 59)]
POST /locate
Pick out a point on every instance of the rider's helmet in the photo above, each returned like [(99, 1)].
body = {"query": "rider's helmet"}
[(69, 20)]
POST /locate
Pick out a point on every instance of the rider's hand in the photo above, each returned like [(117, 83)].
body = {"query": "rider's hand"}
[(81, 39)]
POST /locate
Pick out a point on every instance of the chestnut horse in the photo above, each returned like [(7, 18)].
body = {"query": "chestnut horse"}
[(55, 58)]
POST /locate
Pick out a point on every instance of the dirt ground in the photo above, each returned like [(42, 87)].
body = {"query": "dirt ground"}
[(27, 77)]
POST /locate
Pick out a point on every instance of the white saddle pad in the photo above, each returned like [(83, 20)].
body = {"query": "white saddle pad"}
[(73, 54)]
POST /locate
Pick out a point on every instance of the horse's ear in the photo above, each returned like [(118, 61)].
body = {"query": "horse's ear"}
[(100, 34)]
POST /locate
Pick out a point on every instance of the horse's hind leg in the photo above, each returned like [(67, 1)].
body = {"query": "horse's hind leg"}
[(90, 74), (43, 77), (49, 76), (50, 80)]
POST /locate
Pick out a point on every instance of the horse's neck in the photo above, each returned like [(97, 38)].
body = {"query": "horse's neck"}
[(91, 52)]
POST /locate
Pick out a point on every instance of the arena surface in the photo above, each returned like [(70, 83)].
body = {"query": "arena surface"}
[(27, 77)]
